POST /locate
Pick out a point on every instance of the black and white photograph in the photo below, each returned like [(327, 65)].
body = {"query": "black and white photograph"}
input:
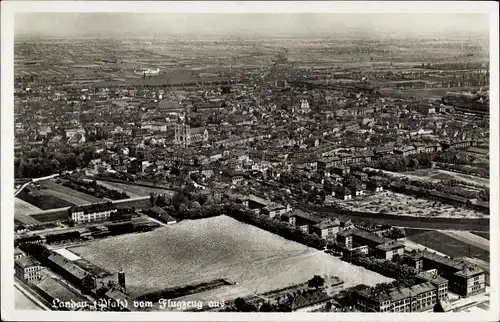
[(193, 159)]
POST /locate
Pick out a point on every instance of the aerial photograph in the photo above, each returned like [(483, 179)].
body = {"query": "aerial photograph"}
[(205, 162)]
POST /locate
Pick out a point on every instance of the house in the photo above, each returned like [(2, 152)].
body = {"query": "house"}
[(27, 269), (372, 227), (375, 186), (419, 147), (340, 170), (343, 193), (360, 175)]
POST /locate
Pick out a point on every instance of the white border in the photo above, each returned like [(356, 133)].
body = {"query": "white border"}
[(7, 204)]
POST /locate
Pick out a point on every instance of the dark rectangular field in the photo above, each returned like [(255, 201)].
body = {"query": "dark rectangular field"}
[(449, 245)]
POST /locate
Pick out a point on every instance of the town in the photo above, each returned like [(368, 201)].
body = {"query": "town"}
[(258, 175)]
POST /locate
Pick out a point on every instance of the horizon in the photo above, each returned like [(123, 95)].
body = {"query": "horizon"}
[(70, 24)]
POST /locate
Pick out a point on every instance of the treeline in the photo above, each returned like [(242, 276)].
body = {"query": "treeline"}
[(474, 171), (41, 162), (402, 273), (401, 163), (277, 227), (94, 189)]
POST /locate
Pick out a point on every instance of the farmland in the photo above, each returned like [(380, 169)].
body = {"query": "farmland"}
[(202, 250), (449, 245), (396, 203)]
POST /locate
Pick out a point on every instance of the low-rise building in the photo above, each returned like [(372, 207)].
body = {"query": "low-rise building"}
[(327, 229), (389, 250)]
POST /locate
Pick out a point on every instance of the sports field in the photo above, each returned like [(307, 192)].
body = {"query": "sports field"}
[(73, 196), (202, 250), (133, 191)]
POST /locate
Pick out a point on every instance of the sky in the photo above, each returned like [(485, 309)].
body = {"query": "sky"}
[(108, 24)]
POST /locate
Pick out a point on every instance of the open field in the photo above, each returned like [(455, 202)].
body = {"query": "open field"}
[(396, 203), (202, 250), (69, 194), (449, 245), (468, 238), (132, 190), (45, 199), (484, 234), (425, 93), (411, 245), (24, 208), (439, 174)]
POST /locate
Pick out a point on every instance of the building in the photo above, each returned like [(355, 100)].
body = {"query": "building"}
[(343, 193), (91, 213), (301, 219), (276, 209), (463, 279), (18, 253), (71, 272), (162, 215), (405, 151), (416, 298), (349, 239), (327, 229), (389, 249), (441, 283), (340, 170), (185, 135), (27, 269), (374, 186)]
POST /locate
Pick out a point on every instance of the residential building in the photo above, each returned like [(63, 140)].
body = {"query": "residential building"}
[(441, 283), (389, 249)]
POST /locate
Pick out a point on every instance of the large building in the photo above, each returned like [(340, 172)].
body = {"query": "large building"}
[(416, 298), (27, 269), (185, 135), (91, 213), (463, 279), (384, 248)]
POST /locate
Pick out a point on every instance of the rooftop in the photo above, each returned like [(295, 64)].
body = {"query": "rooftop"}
[(390, 245), (26, 262), (432, 278)]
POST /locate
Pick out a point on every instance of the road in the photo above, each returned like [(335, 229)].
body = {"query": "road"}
[(26, 294), (34, 180)]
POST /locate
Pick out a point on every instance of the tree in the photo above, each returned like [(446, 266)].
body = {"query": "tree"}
[(395, 233), (316, 281), (152, 199)]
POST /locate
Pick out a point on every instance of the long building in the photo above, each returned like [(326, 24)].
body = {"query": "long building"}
[(92, 213), (416, 298), (385, 248), (463, 279)]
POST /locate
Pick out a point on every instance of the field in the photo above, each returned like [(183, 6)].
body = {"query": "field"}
[(22, 207), (202, 250), (425, 93), (45, 199), (484, 234), (468, 238), (449, 245), (438, 174), (131, 190), (400, 204), (69, 194)]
